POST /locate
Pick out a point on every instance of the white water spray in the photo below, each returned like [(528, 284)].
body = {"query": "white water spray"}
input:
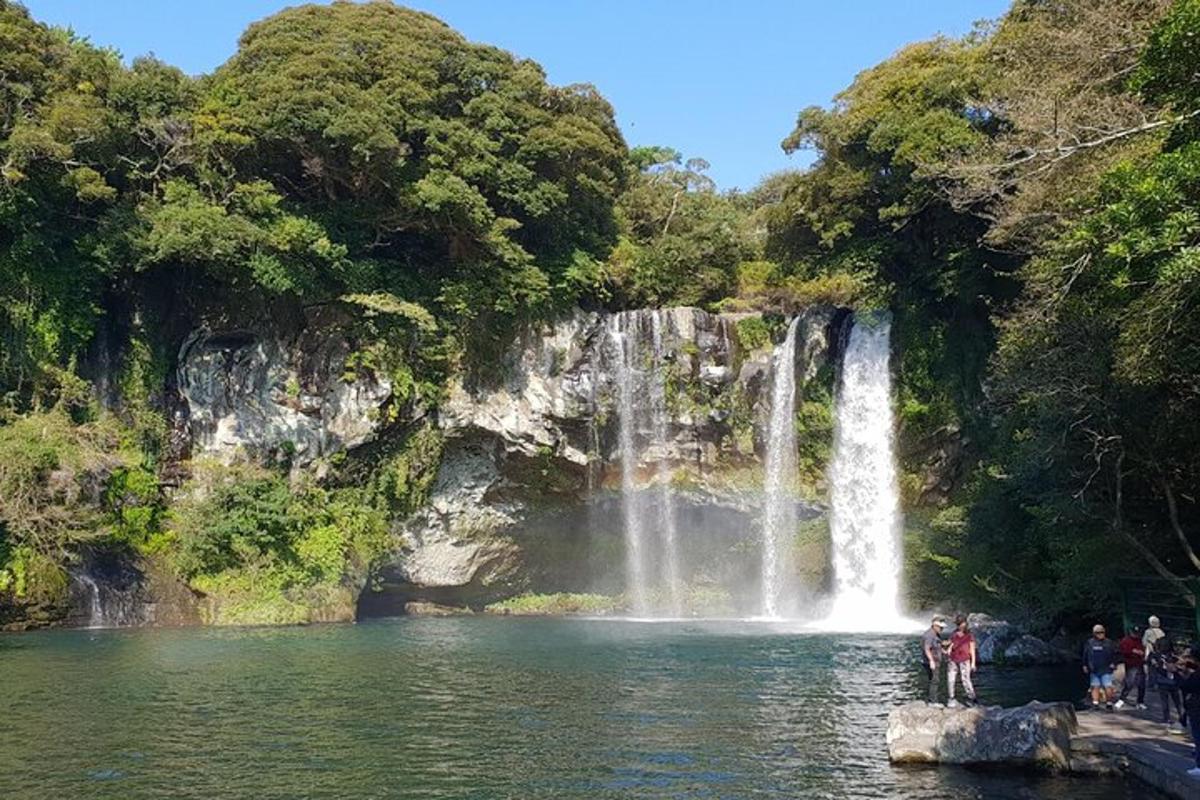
[(660, 431), (635, 544), (654, 579), (109, 606), (779, 506), (95, 605), (865, 519)]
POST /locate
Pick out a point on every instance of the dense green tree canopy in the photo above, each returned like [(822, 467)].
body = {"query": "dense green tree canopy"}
[(870, 209), (683, 240), (436, 162), (1023, 199)]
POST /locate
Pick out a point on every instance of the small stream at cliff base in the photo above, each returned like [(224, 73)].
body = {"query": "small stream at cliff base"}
[(484, 708)]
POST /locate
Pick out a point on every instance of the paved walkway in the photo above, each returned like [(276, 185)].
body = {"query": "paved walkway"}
[(1138, 743)]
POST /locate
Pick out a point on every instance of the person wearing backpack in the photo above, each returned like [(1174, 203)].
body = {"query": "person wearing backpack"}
[(1164, 677)]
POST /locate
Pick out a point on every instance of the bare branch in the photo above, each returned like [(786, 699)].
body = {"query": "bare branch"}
[(1173, 513)]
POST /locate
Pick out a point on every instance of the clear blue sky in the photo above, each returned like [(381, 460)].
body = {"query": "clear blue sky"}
[(719, 79)]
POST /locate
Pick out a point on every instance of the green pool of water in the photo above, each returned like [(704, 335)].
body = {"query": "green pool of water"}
[(481, 708)]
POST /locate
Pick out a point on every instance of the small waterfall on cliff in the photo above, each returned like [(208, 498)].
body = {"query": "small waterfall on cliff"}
[(864, 494), (95, 605), (652, 565), (107, 605), (779, 507)]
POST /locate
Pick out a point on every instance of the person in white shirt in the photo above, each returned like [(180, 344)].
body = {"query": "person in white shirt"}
[(1153, 633)]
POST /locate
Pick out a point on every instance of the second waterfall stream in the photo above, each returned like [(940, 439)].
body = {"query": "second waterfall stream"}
[(779, 506)]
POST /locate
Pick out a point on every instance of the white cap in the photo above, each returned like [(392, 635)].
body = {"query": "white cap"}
[(1154, 623)]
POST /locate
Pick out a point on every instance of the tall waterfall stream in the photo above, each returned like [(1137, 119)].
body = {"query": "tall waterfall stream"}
[(779, 508), (865, 520), (863, 495)]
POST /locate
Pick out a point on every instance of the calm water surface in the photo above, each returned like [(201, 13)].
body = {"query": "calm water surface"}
[(481, 708)]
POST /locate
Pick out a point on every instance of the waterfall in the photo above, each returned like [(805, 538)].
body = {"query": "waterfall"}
[(110, 605), (635, 545), (864, 494), (779, 507), (95, 604), (660, 426), (652, 562)]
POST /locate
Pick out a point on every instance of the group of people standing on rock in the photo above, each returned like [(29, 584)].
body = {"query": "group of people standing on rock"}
[(1151, 661), (959, 654)]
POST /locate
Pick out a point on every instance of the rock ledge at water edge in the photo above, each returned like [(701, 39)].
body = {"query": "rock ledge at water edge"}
[(1035, 735)]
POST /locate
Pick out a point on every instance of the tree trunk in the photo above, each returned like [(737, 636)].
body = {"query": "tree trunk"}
[(1179, 583), (1173, 512)]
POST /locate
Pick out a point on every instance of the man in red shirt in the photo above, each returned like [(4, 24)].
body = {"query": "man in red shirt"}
[(962, 661), (1133, 655)]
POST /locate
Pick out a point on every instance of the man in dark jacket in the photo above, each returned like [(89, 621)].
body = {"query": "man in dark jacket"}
[(1099, 660), (1190, 684)]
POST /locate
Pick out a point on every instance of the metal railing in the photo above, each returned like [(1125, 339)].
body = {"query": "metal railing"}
[(1177, 605)]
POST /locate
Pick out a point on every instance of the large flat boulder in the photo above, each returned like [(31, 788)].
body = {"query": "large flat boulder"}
[(1035, 735)]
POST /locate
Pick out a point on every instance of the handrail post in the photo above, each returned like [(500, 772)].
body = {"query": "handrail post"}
[(1125, 618)]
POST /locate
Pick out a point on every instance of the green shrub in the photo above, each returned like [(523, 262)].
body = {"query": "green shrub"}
[(270, 596), (754, 277), (143, 372), (266, 552), (321, 550), (242, 513), (402, 482), (134, 509), (555, 604), (31, 576), (753, 333), (52, 472)]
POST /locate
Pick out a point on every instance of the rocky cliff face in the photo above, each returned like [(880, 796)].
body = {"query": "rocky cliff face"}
[(283, 397), (528, 491), (526, 496)]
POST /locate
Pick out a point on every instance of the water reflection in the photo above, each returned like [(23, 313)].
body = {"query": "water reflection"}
[(477, 708)]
